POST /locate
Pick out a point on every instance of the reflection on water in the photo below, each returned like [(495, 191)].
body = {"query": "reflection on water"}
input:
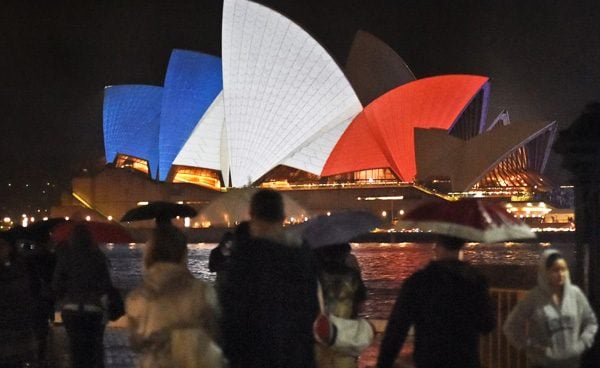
[(126, 263), (384, 265)]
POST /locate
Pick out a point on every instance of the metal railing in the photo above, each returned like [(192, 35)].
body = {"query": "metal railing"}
[(495, 351)]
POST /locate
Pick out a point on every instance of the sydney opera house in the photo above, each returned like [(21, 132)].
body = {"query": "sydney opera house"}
[(276, 110)]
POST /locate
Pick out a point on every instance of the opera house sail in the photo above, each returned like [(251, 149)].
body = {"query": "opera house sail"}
[(282, 93), (279, 111)]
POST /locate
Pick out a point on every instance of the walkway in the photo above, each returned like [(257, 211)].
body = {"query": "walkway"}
[(119, 355), (494, 347), (117, 351)]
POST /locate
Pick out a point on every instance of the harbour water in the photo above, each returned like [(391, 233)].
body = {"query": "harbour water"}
[(384, 265)]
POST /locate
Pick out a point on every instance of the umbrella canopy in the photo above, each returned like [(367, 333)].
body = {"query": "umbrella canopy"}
[(102, 232), (162, 211), (337, 228), (469, 219), (233, 207), (37, 232)]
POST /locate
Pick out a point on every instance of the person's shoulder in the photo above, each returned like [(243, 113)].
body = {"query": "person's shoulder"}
[(533, 297), (242, 231), (575, 290), (420, 276), (430, 269)]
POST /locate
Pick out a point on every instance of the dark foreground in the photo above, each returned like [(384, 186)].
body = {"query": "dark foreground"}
[(119, 355), (384, 268), (117, 351)]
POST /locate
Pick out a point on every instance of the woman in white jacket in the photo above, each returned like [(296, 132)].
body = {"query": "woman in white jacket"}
[(554, 323)]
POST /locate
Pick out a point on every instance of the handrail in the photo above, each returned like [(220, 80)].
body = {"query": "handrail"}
[(495, 351)]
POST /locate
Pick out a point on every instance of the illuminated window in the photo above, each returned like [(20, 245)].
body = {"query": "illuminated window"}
[(283, 177), (130, 162), (204, 177), (370, 176), (374, 175), (513, 171)]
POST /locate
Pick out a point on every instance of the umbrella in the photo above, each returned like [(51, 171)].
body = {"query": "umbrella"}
[(160, 210), (469, 219), (102, 232), (337, 228), (233, 207), (40, 230), (37, 232)]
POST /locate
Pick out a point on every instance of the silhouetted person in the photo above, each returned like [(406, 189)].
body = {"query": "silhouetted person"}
[(41, 260), (82, 282), (449, 305), (17, 342), (218, 259), (269, 297)]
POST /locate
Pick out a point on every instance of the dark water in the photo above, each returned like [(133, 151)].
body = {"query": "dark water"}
[(384, 265)]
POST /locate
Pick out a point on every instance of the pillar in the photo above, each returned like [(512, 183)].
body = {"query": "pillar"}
[(579, 146)]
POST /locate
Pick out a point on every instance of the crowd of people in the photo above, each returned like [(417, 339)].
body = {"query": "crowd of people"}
[(271, 286)]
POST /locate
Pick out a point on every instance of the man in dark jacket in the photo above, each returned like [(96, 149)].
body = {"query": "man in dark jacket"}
[(448, 303), (269, 297)]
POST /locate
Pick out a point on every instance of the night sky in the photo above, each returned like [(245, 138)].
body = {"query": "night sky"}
[(543, 61)]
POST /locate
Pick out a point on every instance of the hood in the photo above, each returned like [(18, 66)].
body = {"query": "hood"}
[(541, 277), (163, 275)]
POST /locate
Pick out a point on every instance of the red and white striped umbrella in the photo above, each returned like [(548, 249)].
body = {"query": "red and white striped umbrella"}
[(469, 219)]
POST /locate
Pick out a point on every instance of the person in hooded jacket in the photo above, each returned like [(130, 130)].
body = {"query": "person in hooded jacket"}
[(554, 323), (269, 294), (449, 304), (172, 316)]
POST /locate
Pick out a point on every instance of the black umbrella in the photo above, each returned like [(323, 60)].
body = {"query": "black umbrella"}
[(337, 228), (162, 211), (38, 231)]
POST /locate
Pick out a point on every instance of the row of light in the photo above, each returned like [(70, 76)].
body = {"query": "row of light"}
[(26, 220), (531, 210)]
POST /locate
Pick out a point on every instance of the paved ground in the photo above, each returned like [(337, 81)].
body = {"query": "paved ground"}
[(119, 355), (116, 348)]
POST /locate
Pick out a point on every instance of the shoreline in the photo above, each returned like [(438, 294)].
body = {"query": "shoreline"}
[(214, 234)]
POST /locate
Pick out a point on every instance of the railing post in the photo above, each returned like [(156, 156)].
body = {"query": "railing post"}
[(496, 352)]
